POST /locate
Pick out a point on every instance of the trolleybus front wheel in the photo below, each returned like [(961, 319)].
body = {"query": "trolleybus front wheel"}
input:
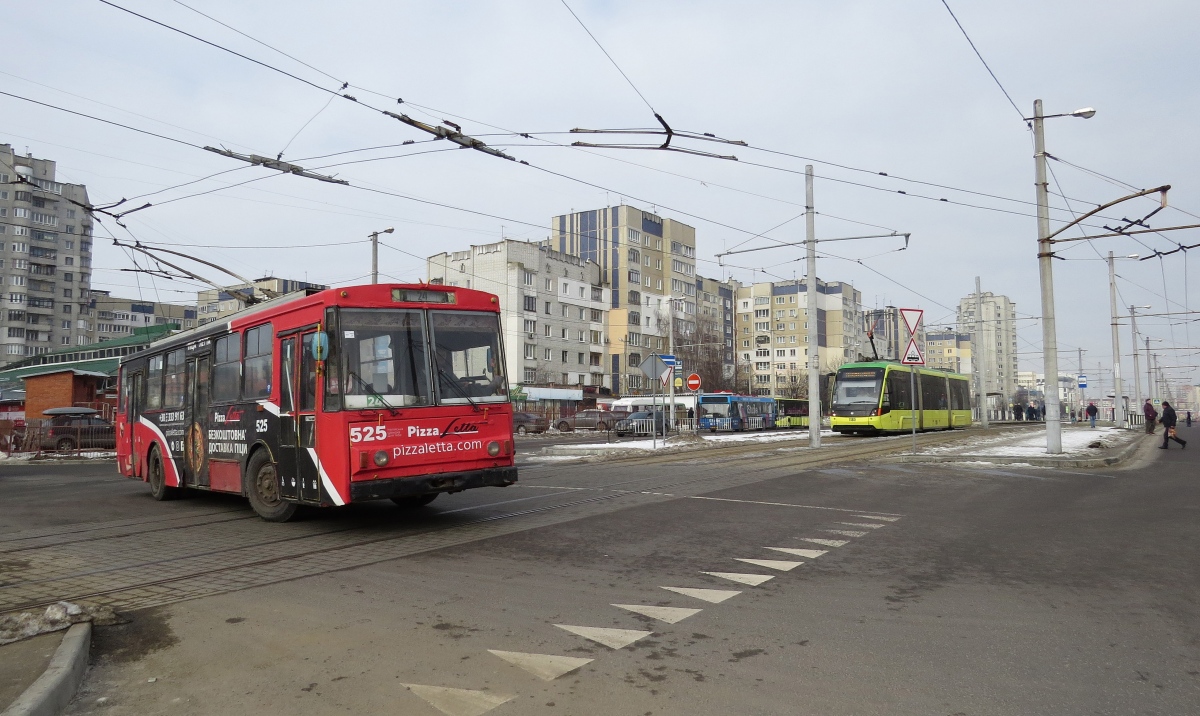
[(158, 478), (414, 503), (263, 490)]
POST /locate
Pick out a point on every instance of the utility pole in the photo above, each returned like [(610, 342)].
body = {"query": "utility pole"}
[(1081, 391), (375, 252), (1118, 400), (671, 348), (1150, 388), (1137, 372), (1046, 274), (980, 364), (810, 303)]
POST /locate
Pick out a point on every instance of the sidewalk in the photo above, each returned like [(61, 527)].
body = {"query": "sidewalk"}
[(22, 662), (675, 443), (1082, 447)]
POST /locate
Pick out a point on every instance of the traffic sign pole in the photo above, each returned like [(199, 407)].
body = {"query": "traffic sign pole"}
[(913, 357)]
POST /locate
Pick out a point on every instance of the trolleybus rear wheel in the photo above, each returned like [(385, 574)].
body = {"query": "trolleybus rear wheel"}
[(414, 503), (263, 490), (158, 478)]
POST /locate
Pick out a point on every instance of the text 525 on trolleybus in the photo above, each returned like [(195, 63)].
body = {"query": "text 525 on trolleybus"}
[(338, 396), (877, 397)]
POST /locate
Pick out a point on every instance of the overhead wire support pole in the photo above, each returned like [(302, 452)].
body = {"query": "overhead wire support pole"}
[(980, 364), (810, 307), (1046, 277), (276, 164), (1119, 419), (1137, 371)]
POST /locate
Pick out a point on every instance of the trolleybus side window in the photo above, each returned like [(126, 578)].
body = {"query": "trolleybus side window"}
[(308, 372), (467, 357), (384, 359), (174, 392), (227, 369), (258, 362), (154, 383)]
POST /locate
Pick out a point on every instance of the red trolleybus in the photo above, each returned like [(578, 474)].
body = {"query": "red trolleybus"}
[(326, 398)]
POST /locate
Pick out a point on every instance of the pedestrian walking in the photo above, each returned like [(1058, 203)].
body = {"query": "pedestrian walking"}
[(1092, 412), (1151, 415), (1189, 418), (1168, 423)]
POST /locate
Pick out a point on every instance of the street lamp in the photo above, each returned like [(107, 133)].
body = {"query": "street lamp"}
[(1118, 399), (375, 252), (1137, 373), (1046, 274)]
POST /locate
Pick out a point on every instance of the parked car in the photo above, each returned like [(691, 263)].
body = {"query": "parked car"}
[(529, 423), (591, 419), (72, 428), (637, 424)]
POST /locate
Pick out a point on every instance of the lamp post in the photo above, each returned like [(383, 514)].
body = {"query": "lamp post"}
[(1119, 418), (1046, 275), (1137, 373), (375, 252)]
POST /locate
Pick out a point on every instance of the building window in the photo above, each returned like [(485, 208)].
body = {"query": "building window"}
[(582, 358), (527, 277), (530, 303), (547, 308), (549, 354), (564, 360), (530, 351), (530, 375)]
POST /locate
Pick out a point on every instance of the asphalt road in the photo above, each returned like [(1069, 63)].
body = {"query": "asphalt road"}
[(943, 590)]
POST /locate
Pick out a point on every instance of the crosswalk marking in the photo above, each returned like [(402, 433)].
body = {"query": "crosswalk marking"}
[(877, 517), (752, 579), (547, 667), (458, 702), (613, 638), (779, 564), (848, 533), (868, 525), (669, 615), (807, 553), (715, 596), (826, 542)]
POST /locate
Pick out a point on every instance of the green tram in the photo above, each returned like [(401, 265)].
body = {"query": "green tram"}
[(876, 397)]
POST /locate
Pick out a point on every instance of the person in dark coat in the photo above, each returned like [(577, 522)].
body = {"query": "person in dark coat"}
[(1092, 411), (1031, 413), (1151, 415), (1168, 423), (1018, 414)]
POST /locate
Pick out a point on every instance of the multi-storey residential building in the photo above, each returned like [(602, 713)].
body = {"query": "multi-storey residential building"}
[(554, 310), (120, 317), (996, 349), (948, 349), (45, 258), (889, 335), (775, 332), (213, 305)]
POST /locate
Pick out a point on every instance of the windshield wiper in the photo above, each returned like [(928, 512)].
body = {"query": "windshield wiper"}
[(371, 389), (461, 390)]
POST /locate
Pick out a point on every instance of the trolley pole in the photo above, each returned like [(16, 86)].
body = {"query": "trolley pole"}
[(1046, 275), (980, 364), (810, 303), (1118, 399)]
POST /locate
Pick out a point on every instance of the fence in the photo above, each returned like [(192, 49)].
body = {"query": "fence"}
[(42, 436)]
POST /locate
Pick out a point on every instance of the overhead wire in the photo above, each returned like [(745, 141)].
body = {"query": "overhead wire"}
[(985, 64), (610, 57)]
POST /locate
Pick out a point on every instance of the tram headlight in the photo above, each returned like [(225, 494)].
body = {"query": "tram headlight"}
[(381, 458), (493, 448)]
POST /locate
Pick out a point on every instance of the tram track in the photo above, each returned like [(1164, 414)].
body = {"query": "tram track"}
[(798, 460)]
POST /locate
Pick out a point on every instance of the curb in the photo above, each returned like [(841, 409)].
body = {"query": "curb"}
[(55, 688), (1108, 461)]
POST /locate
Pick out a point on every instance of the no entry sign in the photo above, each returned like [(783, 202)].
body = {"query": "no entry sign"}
[(693, 381)]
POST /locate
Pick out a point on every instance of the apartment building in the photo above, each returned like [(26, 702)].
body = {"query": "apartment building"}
[(948, 349), (776, 333), (117, 317), (996, 348), (213, 305), (45, 258), (554, 310), (889, 335)]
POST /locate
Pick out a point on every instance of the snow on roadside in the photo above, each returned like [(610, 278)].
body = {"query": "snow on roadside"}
[(58, 616), (674, 441)]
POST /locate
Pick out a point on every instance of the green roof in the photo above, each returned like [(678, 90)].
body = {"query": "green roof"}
[(12, 377)]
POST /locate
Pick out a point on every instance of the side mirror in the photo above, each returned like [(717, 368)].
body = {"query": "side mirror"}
[(319, 347)]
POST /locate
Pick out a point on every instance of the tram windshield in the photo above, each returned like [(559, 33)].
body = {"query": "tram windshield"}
[(858, 386)]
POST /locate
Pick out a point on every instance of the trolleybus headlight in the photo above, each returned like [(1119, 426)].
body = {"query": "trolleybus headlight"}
[(381, 458), (493, 448)]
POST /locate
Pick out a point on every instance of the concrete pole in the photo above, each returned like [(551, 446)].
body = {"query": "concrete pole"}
[(980, 363), (1082, 394), (374, 257), (1137, 372), (1046, 274), (810, 303), (1150, 388), (671, 347), (1119, 418)]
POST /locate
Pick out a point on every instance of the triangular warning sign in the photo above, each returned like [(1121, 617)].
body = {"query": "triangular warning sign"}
[(912, 318), (912, 354)]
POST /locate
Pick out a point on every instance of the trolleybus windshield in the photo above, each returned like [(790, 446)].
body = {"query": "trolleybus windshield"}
[(467, 357), (714, 407), (858, 386), (384, 359)]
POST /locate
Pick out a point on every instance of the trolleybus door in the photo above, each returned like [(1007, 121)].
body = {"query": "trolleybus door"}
[(300, 478), (133, 408), (195, 418)]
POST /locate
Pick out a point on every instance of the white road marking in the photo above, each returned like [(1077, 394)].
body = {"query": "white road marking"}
[(826, 542), (807, 553), (669, 615), (752, 579), (780, 504), (771, 563), (848, 533), (613, 638), (458, 702), (714, 596), (868, 525), (877, 517), (547, 667)]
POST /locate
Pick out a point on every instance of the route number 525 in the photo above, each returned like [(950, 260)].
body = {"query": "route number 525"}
[(367, 434)]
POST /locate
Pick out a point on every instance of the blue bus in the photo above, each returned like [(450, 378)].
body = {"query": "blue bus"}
[(727, 411)]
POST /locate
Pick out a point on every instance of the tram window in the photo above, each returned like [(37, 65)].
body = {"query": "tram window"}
[(258, 366), (154, 383), (933, 392), (899, 392), (960, 397), (173, 397), (227, 368)]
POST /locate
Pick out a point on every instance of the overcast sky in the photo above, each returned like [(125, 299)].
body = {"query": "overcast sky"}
[(877, 85)]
